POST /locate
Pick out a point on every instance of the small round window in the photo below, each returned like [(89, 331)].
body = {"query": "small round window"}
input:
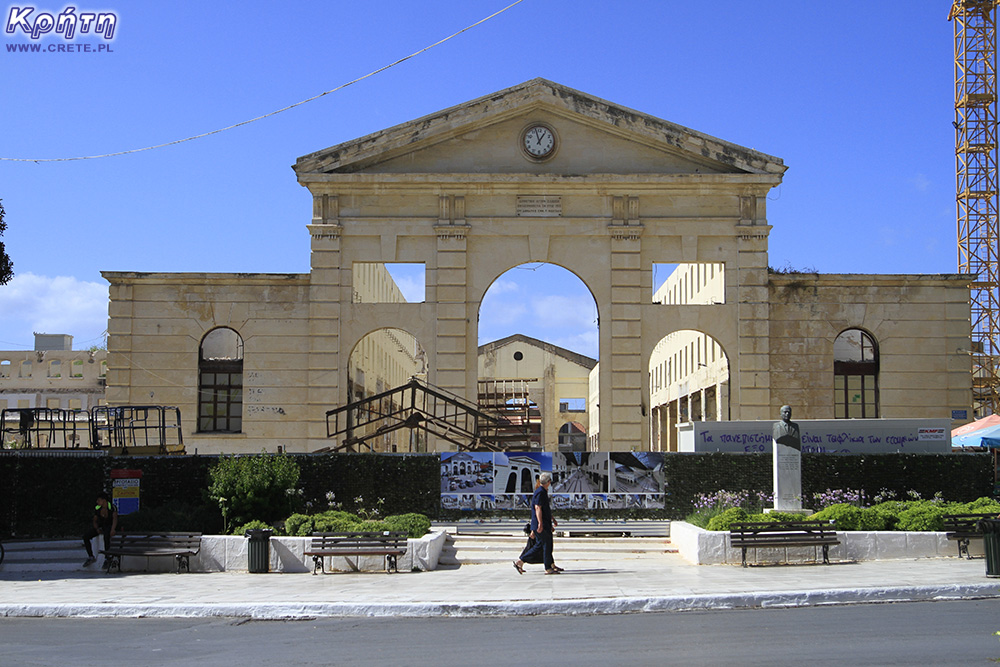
[(518, 356)]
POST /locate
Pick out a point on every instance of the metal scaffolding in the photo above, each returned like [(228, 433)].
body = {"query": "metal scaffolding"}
[(976, 187)]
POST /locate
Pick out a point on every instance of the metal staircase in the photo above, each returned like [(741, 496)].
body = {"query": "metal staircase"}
[(414, 405)]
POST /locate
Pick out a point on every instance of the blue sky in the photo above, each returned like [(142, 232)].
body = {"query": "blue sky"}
[(857, 100)]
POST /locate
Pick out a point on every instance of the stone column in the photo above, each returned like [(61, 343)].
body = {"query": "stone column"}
[(325, 390), (120, 312), (627, 428), (751, 384), (451, 363)]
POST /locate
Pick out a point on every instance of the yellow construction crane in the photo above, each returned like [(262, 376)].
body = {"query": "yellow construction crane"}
[(976, 188)]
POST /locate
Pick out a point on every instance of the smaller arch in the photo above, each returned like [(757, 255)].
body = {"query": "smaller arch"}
[(527, 481), (511, 482), (855, 375), (384, 359), (689, 379)]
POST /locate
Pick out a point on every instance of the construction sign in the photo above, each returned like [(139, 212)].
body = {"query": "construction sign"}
[(125, 490)]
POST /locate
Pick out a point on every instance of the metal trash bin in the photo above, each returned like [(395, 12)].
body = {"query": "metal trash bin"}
[(990, 528), (259, 550)]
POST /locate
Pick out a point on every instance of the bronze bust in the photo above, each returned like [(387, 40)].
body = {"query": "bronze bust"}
[(786, 432)]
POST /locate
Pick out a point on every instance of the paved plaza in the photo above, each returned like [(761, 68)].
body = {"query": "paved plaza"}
[(661, 582)]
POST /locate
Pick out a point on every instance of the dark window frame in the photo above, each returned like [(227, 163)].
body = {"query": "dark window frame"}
[(220, 399), (863, 374)]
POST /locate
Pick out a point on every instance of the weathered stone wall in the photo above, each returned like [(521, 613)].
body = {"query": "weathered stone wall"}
[(920, 323), (158, 322)]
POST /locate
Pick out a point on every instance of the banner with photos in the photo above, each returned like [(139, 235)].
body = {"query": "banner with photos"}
[(580, 480)]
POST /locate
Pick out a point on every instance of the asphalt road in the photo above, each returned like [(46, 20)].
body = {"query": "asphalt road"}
[(924, 633)]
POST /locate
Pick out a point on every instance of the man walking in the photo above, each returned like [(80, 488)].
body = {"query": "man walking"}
[(542, 525)]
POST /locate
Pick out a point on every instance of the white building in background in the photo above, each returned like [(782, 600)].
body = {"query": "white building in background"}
[(688, 370)]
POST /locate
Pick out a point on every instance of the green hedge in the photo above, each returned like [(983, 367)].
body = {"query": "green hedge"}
[(52, 496)]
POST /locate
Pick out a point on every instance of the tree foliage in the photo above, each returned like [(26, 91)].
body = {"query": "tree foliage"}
[(6, 266), (253, 487)]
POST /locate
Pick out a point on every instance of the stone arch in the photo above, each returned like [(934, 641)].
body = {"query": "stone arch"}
[(383, 359), (688, 379), (555, 376)]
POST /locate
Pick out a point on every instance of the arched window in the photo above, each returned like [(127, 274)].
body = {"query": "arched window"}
[(220, 382), (855, 376)]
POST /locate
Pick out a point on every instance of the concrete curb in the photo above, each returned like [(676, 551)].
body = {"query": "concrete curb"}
[(624, 605)]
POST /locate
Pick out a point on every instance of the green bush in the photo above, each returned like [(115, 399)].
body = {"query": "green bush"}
[(872, 518), (322, 524), (979, 506), (843, 515), (922, 515), (248, 487), (414, 525), (723, 520), (299, 524), (256, 524)]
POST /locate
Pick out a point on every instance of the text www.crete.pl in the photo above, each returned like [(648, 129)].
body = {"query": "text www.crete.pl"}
[(59, 48)]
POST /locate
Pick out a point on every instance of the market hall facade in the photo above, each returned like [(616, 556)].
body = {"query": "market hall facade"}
[(537, 173)]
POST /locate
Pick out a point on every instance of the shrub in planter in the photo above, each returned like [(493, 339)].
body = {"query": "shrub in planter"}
[(723, 520), (414, 525), (922, 516), (872, 518), (336, 521), (299, 524), (843, 515), (252, 486), (256, 524), (979, 506)]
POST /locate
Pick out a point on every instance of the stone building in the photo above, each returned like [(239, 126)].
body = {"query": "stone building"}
[(539, 173), (53, 376), (57, 384), (556, 382)]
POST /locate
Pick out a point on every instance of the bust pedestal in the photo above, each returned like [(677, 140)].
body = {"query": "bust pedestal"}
[(787, 475)]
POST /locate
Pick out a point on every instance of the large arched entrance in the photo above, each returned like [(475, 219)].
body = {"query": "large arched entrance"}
[(538, 344), (619, 192)]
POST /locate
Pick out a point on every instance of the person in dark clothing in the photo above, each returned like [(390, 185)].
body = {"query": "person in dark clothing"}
[(105, 522), (542, 525)]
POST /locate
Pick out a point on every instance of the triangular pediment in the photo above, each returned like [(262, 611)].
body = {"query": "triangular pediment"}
[(485, 136)]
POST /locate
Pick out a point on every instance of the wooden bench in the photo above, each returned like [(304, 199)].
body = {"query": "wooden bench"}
[(754, 535), (180, 545), (962, 528), (387, 544)]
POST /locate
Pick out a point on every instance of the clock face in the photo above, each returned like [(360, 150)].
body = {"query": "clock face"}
[(539, 141)]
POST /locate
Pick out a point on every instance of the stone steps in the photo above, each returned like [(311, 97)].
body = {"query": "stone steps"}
[(468, 549), (45, 556)]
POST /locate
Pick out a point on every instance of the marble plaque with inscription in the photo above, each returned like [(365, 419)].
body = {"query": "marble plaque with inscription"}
[(539, 206)]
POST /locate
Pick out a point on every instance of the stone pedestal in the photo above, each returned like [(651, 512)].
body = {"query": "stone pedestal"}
[(787, 475)]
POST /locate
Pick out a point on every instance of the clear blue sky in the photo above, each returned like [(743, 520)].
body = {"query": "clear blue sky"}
[(856, 98)]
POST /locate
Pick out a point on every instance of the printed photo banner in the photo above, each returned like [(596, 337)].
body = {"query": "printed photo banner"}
[(580, 480)]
